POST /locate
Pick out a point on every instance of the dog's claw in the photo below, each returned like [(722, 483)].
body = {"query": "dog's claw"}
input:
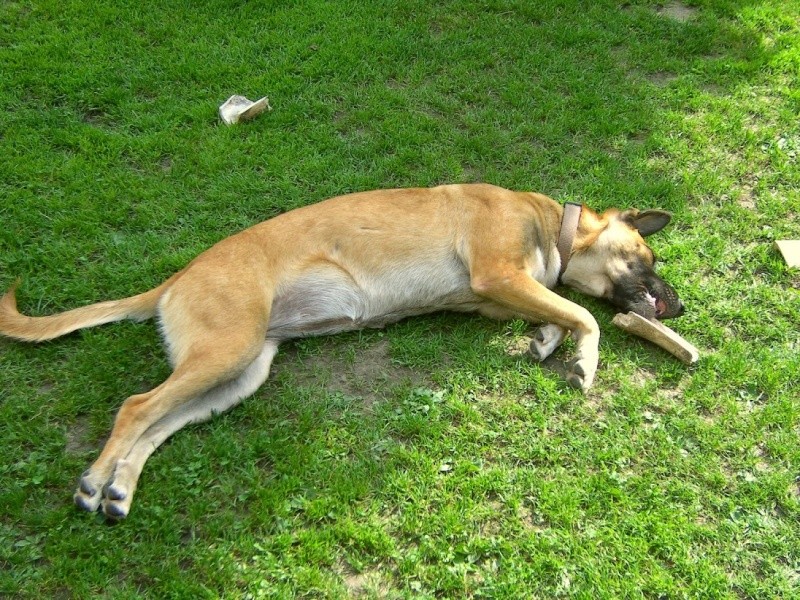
[(87, 497)]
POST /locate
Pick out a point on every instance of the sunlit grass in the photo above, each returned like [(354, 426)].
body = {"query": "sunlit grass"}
[(431, 459)]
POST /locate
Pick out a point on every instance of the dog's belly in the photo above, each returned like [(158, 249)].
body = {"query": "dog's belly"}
[(332, 299)]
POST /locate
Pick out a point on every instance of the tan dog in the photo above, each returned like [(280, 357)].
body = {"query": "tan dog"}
[(361, 260)]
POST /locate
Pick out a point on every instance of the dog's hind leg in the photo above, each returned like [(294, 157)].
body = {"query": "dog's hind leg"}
[(119, 491), (201, 372), (213, 341)]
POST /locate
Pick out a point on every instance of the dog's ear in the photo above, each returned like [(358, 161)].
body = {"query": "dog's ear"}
[(646, 222)]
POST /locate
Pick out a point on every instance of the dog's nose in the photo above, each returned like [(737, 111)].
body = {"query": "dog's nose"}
[(681, 309)]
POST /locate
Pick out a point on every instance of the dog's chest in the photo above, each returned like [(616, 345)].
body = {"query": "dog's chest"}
[(545, 272)]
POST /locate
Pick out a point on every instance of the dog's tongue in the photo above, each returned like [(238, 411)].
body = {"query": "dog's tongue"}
[(661, 307)]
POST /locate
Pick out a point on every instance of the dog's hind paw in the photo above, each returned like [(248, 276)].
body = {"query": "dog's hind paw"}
[(118, 492), (88, 497), (113, 495), (115, 509), (116, 501)]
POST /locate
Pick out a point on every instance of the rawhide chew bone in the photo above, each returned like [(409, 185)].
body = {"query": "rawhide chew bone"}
[(659, 334)]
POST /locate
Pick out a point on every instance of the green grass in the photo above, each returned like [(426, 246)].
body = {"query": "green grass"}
[(430, 459)]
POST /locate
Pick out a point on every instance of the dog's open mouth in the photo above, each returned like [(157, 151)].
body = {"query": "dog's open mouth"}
[(661, 304), (658, 305), (658, 301)]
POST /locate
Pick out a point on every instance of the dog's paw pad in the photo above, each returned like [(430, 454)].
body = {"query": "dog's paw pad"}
[(87, 503), (115, 510), (535, 351), (87, 488), (85, 485), (87, 497), (575, 381), (577, 377), (578, 369), (115, 492), (545, 340)]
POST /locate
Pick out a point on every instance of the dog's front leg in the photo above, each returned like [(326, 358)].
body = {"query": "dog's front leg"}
[(515, 289)]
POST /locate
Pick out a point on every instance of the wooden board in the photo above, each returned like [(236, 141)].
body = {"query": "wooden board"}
[(790, 250)]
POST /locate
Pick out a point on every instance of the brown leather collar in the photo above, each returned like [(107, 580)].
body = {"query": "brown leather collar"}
[(566, 237)]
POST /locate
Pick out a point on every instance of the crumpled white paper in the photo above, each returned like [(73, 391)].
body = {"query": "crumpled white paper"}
[(239, 108)]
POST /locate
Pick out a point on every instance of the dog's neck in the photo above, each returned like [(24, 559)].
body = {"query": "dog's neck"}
[(566, 236)]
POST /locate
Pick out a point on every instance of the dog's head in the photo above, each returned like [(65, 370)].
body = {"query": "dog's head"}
[(611, 260)]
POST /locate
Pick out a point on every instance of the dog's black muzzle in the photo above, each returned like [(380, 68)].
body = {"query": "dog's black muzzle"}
[(645, 293)]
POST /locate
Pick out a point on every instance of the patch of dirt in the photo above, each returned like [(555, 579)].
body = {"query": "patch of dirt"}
[(677, 11), (93, 115), (641, 377), (472, 174), (519, 346), (673, 395), (638, 138), (597, 405), (661, 78), (747, 194), (62, 593), (557, 366), (367, 376), (530, 520), (747, 199), (714, 89), (79, 439), (367, 583), (46, 388)]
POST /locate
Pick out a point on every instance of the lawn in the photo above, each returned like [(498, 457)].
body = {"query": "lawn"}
[(432, 459)]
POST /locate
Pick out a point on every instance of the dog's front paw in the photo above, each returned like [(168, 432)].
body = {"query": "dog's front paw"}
[(546, 339), (581, 374)]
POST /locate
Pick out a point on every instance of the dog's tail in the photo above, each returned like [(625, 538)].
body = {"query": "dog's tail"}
[(39, 329)]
